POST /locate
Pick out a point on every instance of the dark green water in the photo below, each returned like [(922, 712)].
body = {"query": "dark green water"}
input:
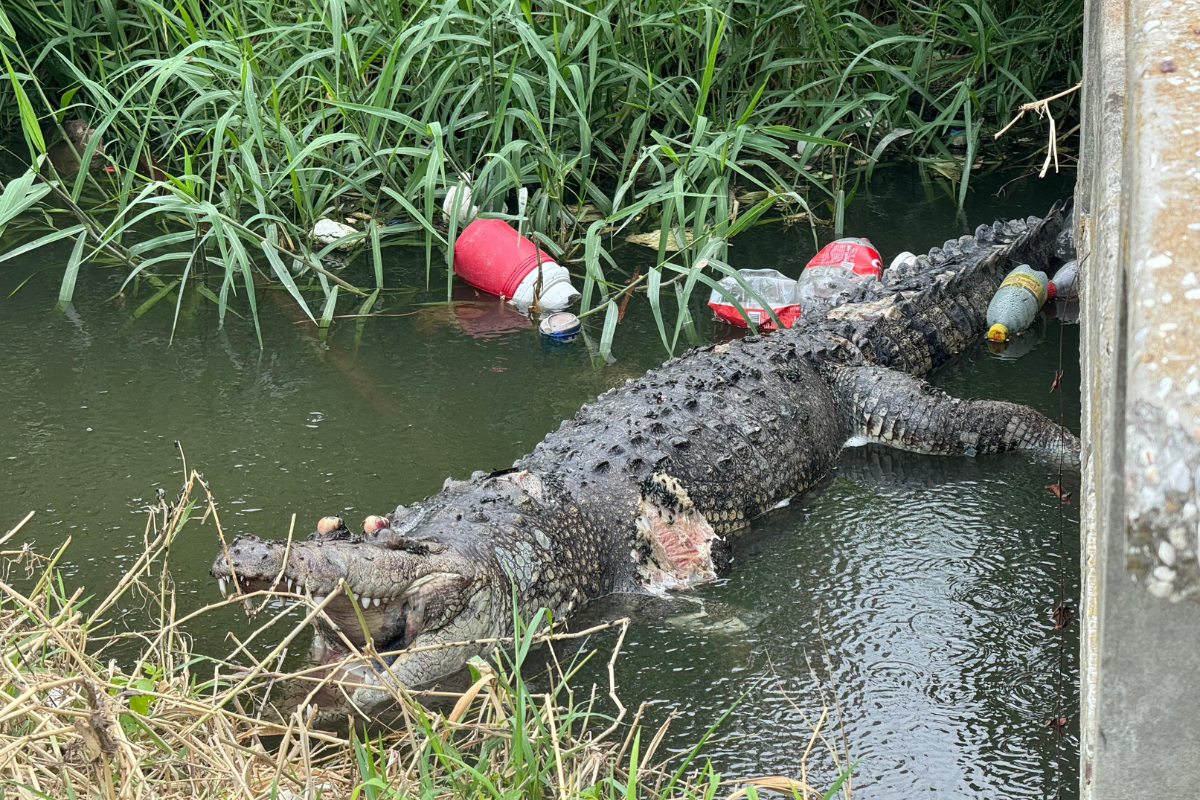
[(919, 588)]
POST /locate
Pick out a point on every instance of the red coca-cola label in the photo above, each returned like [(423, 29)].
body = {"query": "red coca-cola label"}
[(728, 313), (857, 255)]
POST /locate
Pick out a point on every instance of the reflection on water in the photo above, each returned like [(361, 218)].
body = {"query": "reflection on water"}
[(475, 313), (928, 582), (924, 586)]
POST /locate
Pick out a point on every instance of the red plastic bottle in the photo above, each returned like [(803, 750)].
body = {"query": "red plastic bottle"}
[(492, 256)]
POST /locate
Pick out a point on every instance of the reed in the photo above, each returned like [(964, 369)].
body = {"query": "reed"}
[(593, 119), (94, 709)]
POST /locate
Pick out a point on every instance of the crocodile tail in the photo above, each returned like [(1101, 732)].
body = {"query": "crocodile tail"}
[(894, 408)]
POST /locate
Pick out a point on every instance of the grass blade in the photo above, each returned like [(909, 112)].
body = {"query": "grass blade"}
[(67, 290)]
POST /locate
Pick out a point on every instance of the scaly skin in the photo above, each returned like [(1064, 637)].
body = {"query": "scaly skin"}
[(643, 487)]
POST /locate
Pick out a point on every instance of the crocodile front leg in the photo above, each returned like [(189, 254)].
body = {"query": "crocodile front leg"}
[(899, 410)]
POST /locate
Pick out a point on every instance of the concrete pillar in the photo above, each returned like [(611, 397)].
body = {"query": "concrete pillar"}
[(1138, 221)]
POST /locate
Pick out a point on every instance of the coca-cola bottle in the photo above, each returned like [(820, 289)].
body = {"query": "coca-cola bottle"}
[(839, 273)]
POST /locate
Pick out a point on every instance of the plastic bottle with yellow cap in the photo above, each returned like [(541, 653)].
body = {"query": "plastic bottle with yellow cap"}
[(1016, 303)]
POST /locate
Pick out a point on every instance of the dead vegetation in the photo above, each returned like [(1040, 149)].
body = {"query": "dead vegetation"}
[(94, 712)]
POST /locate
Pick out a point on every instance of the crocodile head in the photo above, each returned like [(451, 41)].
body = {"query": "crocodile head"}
[(381, 593)]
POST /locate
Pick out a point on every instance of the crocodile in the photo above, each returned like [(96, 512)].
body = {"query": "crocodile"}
[(644, 487)]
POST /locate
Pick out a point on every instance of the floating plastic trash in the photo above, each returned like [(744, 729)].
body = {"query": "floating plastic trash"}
[(904, 265), (493, 257), (835, 275), (903, 260), (1064, 245), (561, 326), (1065, 283), (855, 254), (775, 288), (466, 211), (1016, 303)]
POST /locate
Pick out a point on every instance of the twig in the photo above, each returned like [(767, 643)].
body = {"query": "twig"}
[(17, 527), (1042, 108), (1037, 105), (359, 316)]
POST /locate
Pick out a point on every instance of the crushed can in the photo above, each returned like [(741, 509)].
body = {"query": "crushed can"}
[(562, 326)]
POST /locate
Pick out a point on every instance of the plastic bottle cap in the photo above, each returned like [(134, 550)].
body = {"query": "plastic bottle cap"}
[(998, 333)]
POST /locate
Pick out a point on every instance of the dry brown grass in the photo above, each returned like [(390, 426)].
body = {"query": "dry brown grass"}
[(78, 723)]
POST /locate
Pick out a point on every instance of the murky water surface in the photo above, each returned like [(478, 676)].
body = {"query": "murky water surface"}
[(916, 590)]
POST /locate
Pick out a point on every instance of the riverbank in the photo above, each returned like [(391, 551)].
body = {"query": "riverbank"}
[(232, 128), (87, 718)]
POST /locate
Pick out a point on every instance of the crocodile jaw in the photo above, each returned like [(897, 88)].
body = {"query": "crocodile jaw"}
[(383, 599)]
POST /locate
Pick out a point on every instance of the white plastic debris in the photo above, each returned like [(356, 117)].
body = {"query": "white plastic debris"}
[(902, 266), (466, 211), (557, 291), (902, 260), (328, 231)]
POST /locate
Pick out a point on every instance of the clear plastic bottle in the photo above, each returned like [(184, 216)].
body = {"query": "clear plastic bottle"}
[(772, 287), (1016, 303), (821, 289), (1066, 281), (839, 273)]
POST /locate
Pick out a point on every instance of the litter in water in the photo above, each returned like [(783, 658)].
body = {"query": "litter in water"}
[(465, 210), (838, 274), (776, 289), (1065, 283), (1016, 303), (327, 231), (561, 326), (493, 257)]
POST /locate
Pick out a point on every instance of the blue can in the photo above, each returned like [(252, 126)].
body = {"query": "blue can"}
[(562, 326)]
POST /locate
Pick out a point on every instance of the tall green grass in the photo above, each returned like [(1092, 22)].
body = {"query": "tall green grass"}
[(689, 117)]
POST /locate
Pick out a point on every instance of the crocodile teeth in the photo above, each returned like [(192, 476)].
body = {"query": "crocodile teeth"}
[(221, 585), (318, 599), (364, 601), (376, 601), (289, 584)]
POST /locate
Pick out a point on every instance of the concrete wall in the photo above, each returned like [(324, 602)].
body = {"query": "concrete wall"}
[(1138, 219)]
